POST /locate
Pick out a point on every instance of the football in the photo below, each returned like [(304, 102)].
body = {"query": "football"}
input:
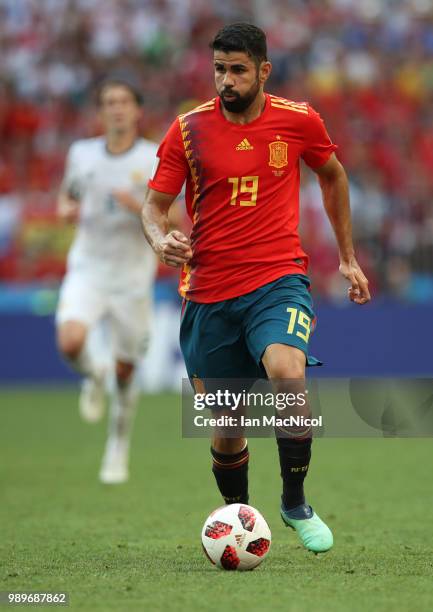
[(236, 537)]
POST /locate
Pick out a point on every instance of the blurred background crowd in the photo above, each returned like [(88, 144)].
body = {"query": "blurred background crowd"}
[(366, 65)]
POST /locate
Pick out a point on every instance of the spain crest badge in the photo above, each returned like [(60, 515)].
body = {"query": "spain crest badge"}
[(278, 154)]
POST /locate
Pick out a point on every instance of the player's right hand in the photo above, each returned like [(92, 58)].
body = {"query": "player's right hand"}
[(175, 249), (358, 291)]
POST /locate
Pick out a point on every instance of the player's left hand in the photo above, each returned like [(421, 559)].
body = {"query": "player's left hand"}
[(127, 200), (358, 292)]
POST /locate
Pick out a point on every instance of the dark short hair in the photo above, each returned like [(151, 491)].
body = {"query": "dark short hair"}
[(242, 37), (120, 78)]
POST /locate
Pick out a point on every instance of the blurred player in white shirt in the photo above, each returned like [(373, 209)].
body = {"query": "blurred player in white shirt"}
[(110, 268)]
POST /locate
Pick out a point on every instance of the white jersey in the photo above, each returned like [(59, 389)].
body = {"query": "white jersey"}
[(109, 243)]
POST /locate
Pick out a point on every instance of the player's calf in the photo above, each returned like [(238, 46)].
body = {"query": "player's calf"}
[(295, 455), (124, 373), (230, 459), (123, 401)]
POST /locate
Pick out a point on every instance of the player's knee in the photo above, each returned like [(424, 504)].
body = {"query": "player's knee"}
[(124, 371), (228, 446), (71, 341), (284, 362), (287, 371)]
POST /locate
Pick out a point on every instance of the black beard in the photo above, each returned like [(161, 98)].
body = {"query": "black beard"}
[(241, 103)]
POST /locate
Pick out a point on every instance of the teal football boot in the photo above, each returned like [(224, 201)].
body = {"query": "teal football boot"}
[(312, 531)]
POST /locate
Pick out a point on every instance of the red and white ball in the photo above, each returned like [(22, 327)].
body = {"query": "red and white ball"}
[(236, 537)]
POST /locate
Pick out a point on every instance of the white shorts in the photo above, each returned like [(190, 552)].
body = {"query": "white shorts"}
[(128, 315)]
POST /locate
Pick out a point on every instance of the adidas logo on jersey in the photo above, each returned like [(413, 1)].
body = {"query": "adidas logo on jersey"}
[(244, 146)]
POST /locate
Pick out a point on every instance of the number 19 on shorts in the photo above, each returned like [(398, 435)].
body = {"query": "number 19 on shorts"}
[(302, 322)]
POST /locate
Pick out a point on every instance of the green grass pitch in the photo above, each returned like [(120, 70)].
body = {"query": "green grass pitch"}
[(137, 546)]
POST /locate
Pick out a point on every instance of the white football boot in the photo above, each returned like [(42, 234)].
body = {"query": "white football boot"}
[(92, 399), (114, 468)]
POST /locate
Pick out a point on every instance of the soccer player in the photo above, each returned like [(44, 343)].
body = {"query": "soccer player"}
[(110, 269), (247, 307)]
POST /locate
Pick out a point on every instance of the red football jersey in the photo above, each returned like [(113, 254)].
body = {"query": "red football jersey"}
[(242, 193)]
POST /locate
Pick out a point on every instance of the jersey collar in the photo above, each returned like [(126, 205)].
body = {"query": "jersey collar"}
[(108, 152)]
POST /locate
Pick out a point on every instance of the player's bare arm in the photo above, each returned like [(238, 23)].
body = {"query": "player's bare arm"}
[(335, 190), (172, 247)]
